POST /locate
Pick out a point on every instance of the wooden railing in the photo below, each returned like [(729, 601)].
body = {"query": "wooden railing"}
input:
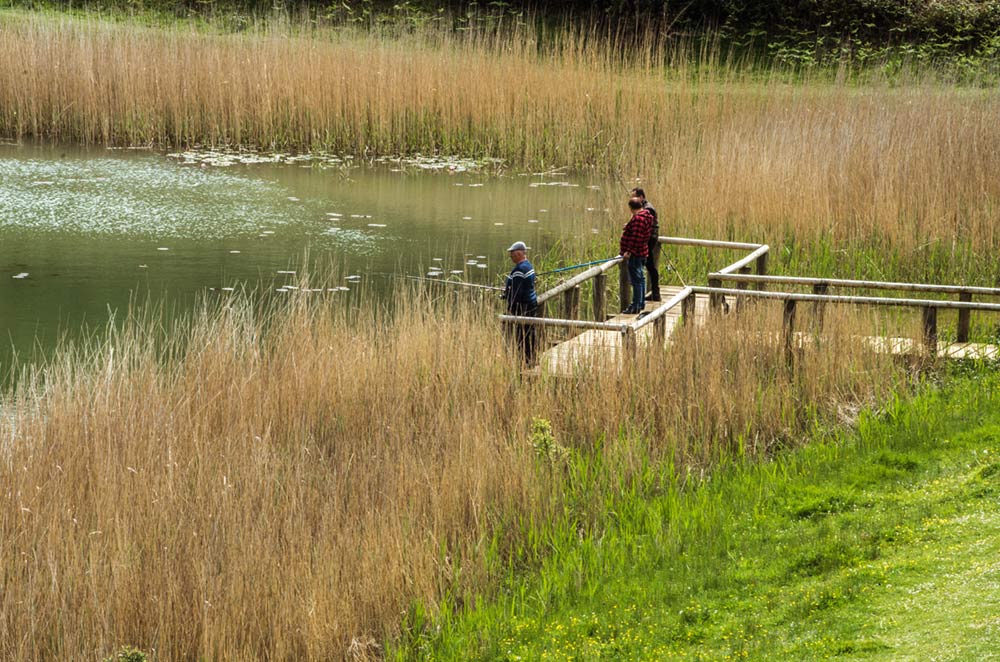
[(929, 307), (821, 286), (570, 292), (570, 289)]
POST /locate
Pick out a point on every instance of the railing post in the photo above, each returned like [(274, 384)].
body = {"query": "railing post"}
[(687, 309), (660, 330), (624, 285), (629, 345), (819, 308), (762, 271), (963, 317), (788, 328), (930, 330), (714, 300), (541, 333), (571, 303), (600, 297), (741, 285)]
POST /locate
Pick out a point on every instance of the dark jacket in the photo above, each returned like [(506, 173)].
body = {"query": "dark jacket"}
[(635, 236), (519, 290), (656, 219)]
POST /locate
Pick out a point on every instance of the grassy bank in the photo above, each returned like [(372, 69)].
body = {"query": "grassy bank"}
[(723, 148), (287, 482), (877, 543)]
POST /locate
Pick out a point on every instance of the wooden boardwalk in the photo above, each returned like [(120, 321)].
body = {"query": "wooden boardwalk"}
[(602, 343), (599, 349), (955, 350), (604, 348)]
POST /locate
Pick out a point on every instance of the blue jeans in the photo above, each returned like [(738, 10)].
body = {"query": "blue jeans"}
[(638, 280)]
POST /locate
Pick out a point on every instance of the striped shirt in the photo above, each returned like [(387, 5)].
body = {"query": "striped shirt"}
[(519, 290)]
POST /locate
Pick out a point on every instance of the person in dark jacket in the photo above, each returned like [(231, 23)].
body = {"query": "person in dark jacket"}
[(634, 247), (653, 259), (519, 293)]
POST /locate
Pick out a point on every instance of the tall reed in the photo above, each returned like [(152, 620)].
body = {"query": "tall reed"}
[(285, 484), (724, 148)]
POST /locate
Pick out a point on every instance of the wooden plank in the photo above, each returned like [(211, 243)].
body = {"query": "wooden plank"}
[(969, 350), (603, 349), (802, 340)]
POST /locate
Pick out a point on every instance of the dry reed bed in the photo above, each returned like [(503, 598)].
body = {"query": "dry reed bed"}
[(279, 486), (721, 147)]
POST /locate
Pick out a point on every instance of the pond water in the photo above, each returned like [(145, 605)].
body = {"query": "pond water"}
[(84, 231)]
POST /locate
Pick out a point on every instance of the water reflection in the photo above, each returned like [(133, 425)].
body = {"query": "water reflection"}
[(83, 231)]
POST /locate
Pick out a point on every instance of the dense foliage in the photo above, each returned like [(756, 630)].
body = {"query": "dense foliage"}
[(955, 25)]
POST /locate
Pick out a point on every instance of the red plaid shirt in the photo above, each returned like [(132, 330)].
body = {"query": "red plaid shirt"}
[(635, 236)]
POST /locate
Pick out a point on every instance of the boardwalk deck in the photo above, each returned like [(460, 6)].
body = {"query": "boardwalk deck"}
[(956, 350), (596, 348)]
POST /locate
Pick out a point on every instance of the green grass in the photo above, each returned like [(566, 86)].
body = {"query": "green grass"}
[(877, 542)]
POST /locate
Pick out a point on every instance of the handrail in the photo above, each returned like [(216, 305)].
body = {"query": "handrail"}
[(736, 266), (708, 243), (579, 278), (832, 298), (857, 284), (662, 310), (578, 324), (758, 250)]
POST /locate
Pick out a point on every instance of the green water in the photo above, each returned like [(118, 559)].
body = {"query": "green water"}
[(94, 229)]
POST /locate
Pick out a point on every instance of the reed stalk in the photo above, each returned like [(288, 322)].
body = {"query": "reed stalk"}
[(284, 482), (718, 143)]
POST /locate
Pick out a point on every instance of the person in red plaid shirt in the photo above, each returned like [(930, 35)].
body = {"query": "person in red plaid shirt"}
[(634, 247), (653, 259)]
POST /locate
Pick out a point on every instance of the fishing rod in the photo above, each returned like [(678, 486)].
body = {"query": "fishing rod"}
[(671, 267), (576, 266), (461, 283)]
